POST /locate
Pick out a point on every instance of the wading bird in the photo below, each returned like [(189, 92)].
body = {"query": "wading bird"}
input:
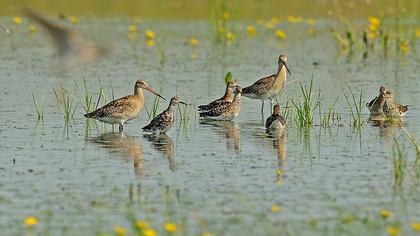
[(123, 109), (275, 121), (376, 105), (164, 121), (269, 87), (392, 108), (224, 110), (228, 97)]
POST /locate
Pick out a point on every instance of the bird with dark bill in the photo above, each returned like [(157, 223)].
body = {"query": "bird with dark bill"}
[(275, 121), (227, 97), (224, 110)]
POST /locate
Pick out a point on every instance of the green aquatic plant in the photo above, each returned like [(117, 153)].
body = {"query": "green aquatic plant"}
[(65, 103), (87, 104), (228, 77), (400, 163), (331, 116), (38, 107), (305, 108), (355, 105)]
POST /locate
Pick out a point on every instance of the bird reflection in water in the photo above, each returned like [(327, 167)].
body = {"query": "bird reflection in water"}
[(128, 146), (231, 131), (387, 126), (164, 144), (280, 145)]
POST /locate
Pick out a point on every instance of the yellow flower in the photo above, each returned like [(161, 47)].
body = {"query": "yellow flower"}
[(415, 226), (392, 231), (299, 19), (275, 208), (149, 232), (311, 21), (372, 35), (385, 214), (150, 34), (120, 231), (230, 36), (194, 42), (269, 25), (17, 20), (417, 32), (291, 19), (280, 34), (275, 20), (150, 42), (404, 47), (374, 21), (141, 224), (279, 172), (31, 221), (132, 28), (311, 31), (74, 19), (250, 30), (170, 227), (32, 28), (225, 15)]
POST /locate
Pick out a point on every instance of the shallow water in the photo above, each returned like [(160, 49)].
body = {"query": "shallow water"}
[(219, 176)]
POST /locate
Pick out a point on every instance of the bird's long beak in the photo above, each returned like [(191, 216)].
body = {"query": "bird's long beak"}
[(183, 103), (287, 68), (155, 93)]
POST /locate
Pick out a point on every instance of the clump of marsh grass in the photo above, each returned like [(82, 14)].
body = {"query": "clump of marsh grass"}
[(65, 103), (88, 104), (400, 163), (153, 111), (38, 107), (331, 116), (305, 108), (355, 106)]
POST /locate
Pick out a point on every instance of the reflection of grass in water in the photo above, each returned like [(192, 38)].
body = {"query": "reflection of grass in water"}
[(39, 108), (355, 106), (400, 163), (155, 105), (305, 108), (65, 103), (88, 104), (331, 116)]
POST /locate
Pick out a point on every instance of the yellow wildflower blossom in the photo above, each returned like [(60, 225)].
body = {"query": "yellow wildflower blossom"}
[(17, 20), (417, 32), (250, 30), (269, 25), (150, 42), (149, 232), (372, 27), (120, 231), (170, 227), (74, 19), (404, 47), (230, 36), (374, 21), (275, 208), (279, 172), (299, 19), (132, 28), (280, 34), (392, 231), (225, 15), (194, 42), (291, 19), (311, 21), (415, 226), (385, 214), (32, 28), (141, 224), (372, 35), (30, 221), (275, 20), (150, 34)]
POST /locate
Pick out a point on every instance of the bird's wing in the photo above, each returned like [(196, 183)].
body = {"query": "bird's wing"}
[(217, 110), (260, 86), (118, 106), (160, 121)]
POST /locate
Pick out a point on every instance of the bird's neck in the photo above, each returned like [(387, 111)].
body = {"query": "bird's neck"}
[(281, 71), (229, 95), (138, 93), (171, 106)]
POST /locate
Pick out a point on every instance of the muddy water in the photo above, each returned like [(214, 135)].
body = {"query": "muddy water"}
[(220, 177)]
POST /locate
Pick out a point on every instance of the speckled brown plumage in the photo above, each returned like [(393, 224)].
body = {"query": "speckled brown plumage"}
[(225, 110), (275, 121), (376, 105), (164, 121), (227, 97)]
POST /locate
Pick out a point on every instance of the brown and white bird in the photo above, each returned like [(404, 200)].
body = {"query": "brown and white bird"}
[(123, 109), (275, 121), (224, 110), (71, 49), (269, 87), (164, 121), (228, 97), (392, 108), (376, 105)]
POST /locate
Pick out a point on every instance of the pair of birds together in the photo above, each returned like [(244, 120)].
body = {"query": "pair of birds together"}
[(384, 104), (225, 108)]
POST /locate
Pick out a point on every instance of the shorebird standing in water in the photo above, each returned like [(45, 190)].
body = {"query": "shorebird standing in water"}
[(376, 105), (123, 109), (224, 110), (275, 121), (392, 108), (269, 87), (164, 121), (71, 49), (228, 97)]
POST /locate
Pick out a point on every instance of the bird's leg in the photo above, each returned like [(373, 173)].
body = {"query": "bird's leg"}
[(262, 112), (271, 106), (121, 128)]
